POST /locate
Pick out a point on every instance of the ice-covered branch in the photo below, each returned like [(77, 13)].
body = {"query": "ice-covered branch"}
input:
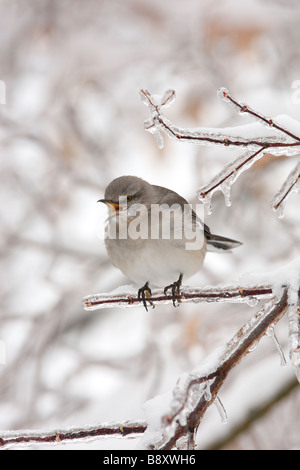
[(249, 294), (182, 411), (272, 135), (205, 136), (85, 433), (195, 392), (245, 109), (294, 330), (291, 184)]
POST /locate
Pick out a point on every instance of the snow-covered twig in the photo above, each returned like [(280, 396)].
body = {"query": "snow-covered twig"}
[(195, 392), (284, 141), (294, 330), (292, 183), (249, 294), (245, 109), (21, 438)]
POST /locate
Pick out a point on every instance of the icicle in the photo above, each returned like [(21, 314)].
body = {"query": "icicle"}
[(157, 134), (206, 200), (207, 390), (221, 410), (252, 301), (225, 178), (291, 184), (155, 103), (271, 333), (208, 204), (225, 188), (278, 209)]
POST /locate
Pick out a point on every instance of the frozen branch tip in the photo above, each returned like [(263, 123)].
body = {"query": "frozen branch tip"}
[(280, 141)]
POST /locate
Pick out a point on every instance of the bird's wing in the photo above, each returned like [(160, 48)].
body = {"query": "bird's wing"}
[(214, 242), (219, 243)]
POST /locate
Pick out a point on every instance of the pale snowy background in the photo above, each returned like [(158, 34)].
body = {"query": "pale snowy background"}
[(72, 122)]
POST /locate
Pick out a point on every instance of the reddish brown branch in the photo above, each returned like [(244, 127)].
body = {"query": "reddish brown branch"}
[(290, 185), (231, 173), (244, 108), (231, 358), (201, 135), (208, 294), (288, 191), (259, 145), (118, 430), (225, 141)]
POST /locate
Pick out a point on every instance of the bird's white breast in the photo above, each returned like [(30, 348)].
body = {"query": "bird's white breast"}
[(158, 261)]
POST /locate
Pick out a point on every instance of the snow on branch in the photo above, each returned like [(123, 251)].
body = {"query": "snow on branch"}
[(181, 411), (84, 434), (196, 391), (251, 295), (256, 139), (292, 183)]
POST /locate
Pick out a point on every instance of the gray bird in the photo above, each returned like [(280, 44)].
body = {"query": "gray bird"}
[(153, 235)]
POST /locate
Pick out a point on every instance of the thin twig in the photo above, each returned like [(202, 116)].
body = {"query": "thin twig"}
[(290, 184), (188, 294), (231, 173), (244, 108), (128, 428), (256, 147), (214, 136)]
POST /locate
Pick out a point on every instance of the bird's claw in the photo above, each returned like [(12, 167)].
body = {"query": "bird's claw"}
[(175, 287), (144, 294)]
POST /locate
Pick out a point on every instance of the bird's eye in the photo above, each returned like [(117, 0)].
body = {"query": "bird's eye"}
[(129, 198)]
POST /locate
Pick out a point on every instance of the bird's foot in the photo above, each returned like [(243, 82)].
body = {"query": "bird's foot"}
[(144, 294), (175, 290)]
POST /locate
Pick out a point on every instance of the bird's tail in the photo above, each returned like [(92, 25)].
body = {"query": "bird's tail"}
[(220, 244)]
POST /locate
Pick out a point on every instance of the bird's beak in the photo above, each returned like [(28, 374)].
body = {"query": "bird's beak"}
[(113, 206)]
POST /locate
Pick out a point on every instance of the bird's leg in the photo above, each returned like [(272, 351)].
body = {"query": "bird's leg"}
[(175, 289), (144, 294)]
